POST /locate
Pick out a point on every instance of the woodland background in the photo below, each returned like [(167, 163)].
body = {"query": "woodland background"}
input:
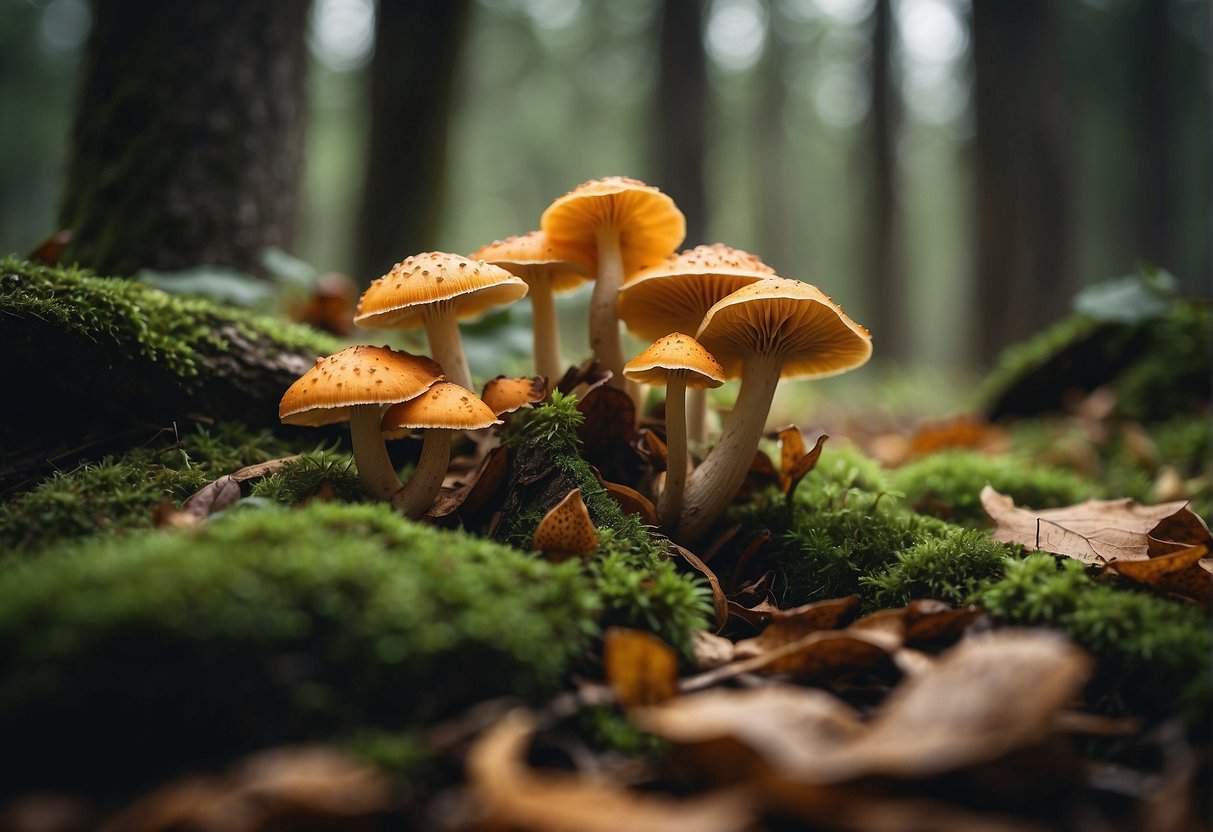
[(951, 172)]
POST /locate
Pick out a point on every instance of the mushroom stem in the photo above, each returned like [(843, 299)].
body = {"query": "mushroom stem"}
[(697, 415), (604, 317), (374, 465), (442, 329), (548, 362), (715, 482), (669, 504), (418, 495)]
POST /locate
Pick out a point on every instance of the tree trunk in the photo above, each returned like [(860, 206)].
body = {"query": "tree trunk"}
[(777, 227), (1025, 260), (417, 45), (188, 138), (682, 96), (883, 252), (1155, 131)]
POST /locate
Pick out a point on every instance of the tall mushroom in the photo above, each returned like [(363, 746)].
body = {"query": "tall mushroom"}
[(437, 290), (628, 225), (442, 411), (548, 267), (677, 361), (770, 329), (674, 295), (356, 384)]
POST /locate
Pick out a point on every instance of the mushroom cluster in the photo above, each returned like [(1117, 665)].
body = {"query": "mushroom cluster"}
[(709, 313)]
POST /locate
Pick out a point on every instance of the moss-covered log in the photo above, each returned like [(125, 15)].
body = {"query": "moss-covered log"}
[(91, 357)]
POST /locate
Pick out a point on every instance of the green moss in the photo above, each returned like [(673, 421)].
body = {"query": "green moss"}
[(138, 320), (948, 484), (1018, 360), (953, 567), (1153, 653), (267, 627), (1172, 375), (119, 493), (309, 475)]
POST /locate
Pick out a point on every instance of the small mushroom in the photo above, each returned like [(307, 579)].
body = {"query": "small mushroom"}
[(548, 267), (628, 225), (443, 410), (566, 531), (355, 384), (677, 361), (764, 331), (437, 290), (505, 395)]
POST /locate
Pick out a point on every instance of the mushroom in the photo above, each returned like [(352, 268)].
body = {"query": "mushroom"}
[(547, 267), (505, 395), (443, 410), (566, 531), (436, 290), (677, 361), (628, 225), (355, 384), (775, 327), (674, 295)]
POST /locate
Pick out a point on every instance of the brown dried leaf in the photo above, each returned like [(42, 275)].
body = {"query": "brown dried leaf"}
[(472, 496), (787, 626), (1179, 573), (711, 650), (925, 621), (511, 795), (213, 497), (805, 464), (608, 432), (972, 432), (1180, 530), (652, 448), (640, 668), (720, 604), (791, 449), (1094, 532), (813, 657), (756, 616), (630, 501)]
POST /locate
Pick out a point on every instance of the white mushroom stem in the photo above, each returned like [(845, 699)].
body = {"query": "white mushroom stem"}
[(418, 495), (548, 362), (716, 481), (669, 504), (446, 345), (374, 465), (604, 317), (697, 415)]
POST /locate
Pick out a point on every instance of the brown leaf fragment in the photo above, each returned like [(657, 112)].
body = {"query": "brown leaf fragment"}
[(791, 449), (511, 795), (652, 448), (756, 616), (631, 501), (787, 626), (720, 604), (711, 650), (640, 668), (474, 494), (1094, 532), (967, 431), (1178, 573), (587, 373), (608, 432), (214, 497), (1182, 529), (816, 656), (263, 469), (929, 621), (805, 464)]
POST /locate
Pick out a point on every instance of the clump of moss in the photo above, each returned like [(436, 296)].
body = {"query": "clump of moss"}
[(954, 566), (948, 484), (266, 627), (1172, 375), (119, 493), (1153, 653), (310, 476), (141, 321)]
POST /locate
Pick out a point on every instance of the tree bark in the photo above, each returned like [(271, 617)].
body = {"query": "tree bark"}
[(1154, 128), (417, 45), (682, 97), (1025, 256), (187, 145), (883, 253)]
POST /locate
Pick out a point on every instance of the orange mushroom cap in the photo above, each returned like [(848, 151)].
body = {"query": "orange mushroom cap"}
[(535, 255), (472, 287), (355, 376), (566, 530), (505, 395), (445, 405), (676, 353), (650, 225)]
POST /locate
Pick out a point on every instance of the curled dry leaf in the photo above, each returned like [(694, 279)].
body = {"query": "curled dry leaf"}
[(720, 604), (969, 431), (922, 622), (711, 650), (787, 626), (1179, 573), (473, 495), (794, 462), (1094, 532), (511, 795), (640, 668)]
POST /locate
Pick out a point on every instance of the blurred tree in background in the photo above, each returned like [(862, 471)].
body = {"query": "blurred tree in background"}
[(949, 171)]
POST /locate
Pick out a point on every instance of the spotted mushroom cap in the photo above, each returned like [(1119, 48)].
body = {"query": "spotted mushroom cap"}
[(445, 405), (675, 353), (795, 319), (505, 395), (567, 528), (471, 287), (356, 375), (674, 295), (536, 256), (649, 223)]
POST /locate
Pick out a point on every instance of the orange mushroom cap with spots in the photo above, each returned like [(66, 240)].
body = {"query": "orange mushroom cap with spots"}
[(445, 405), (470, 287), (566, 530)]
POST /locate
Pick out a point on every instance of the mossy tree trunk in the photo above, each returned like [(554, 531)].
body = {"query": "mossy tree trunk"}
[(188, 138), (417, 44)]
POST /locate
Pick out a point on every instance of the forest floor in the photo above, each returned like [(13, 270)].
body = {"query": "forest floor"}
[(909, 625)]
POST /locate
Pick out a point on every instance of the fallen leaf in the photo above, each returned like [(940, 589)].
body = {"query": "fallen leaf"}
[(791, 449), (795, 463), (511, 795), (640, 668), (330, 306), (608, 432), (816, 656), (971, 432), (787, 626), (756, 616), (473, 495), (212, 498), (1094, 532), (711, 650), (720, 604), (1179, 573), (629, 500), (1180, 530), (652, 448)]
